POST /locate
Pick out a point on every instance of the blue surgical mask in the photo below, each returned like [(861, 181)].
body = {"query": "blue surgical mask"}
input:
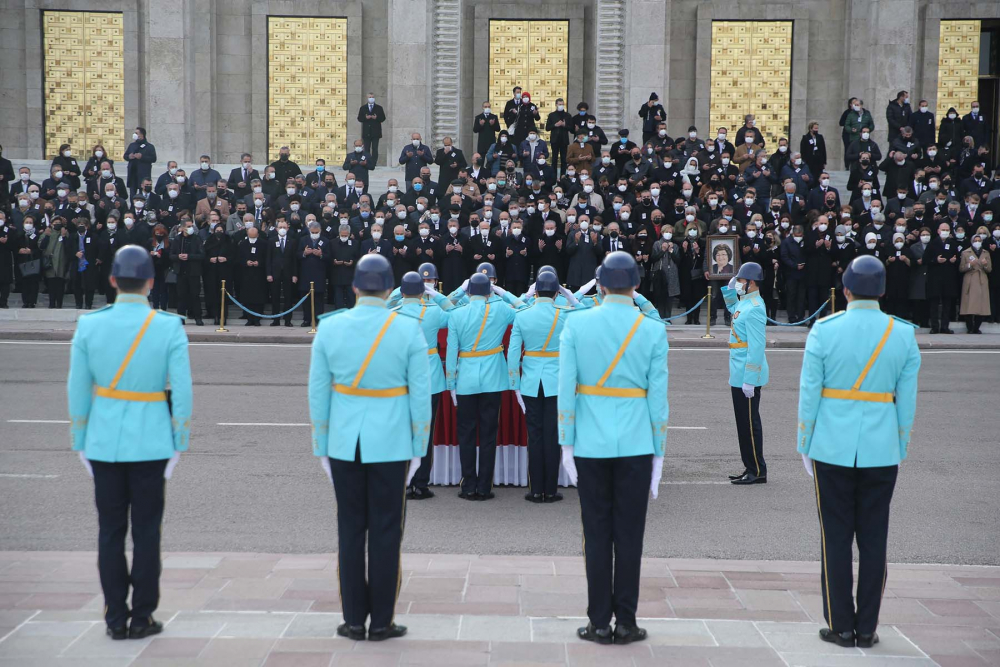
[(417, 187), (400, 237), (320, 168), (624, 140), (365, 214), (583, 112)]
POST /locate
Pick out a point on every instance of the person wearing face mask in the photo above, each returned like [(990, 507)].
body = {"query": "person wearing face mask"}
[(202, 176), (950, 135), (140, 156), (584, 251), (583, 153), (371, 116), (486, 125), (109, 241), (863, 172), (93, 166), (359, 163), (864, 143), (812, 146), (531, 149), (976, 263), (67, 164), (220, 258), (109, 203), (621, 150), (898, 113), (516, 263), (793, 265), (746, 154), (56, 261), (344, 253), (28, 254), (858, 119), (209, 202), (451, 160), (665, 260), (502, 151), (692, 273), (171, 206), (652, 114), (975, 124), (280, 270), (314, 254), (84, 270), (941, 259), (897, 272), (284, 166), (242, 176), (843, 251), (638, 171), (188, 253), (918, 277)]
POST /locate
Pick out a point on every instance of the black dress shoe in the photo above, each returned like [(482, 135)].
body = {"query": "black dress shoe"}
[(750, 478), (737, 476), (845, 639), (355, 632), (118, 633), (305, 324), (626, 634), (145, 630), (416, 493), (381, 634), (534, 497), (596, 635), (288, 324), (216, 321), (467, 496), (554, 498), (489, 495), (275, 323), (199, 322), (947, 331), (248, 323), (867, 641)]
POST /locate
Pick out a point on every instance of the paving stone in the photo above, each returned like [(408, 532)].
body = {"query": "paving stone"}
[(831, 660), (953, 608), (676, 632), (495, 628), (314, 625), (191, 562), (687, 656), (242, 652), (94, 643), (174, 647), (736, 633), (524, 652), (299, 659), (430, 627), (256, 626)]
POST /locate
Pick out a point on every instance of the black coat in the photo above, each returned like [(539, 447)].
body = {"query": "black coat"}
[(346, 253), (312, 268), (813, 149), (219, 247), (450, 164), (191, 246), (69, 165), (371, 128), (942, 277), (544, 252), (236, 177), (282, 264), (253, 279), (8, 234), (452, 268), (559, 135), (516, 258), (141, 168), (487, 131)]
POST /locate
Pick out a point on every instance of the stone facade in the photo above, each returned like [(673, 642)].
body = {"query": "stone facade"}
[(196, 70)]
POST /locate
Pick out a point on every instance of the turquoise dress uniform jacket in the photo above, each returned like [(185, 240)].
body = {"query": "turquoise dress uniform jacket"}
[(432, 319), (536, 329), (475, 362), (379, 398), (125, 418), (747, 339), (856, 407), (460, 298), (598, 423)]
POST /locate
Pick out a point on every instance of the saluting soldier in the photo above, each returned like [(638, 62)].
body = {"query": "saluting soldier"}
[(129, 433), (623, 373), (748, 372), (370, 416), (429, 275), (477, 376), (420, 300), (460, 297), (857, 400), (535, 382)]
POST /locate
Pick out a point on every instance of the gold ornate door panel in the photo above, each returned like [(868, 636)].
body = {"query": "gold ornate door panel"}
[(533, 55), (84, 81), (307, 87), (751, 73), (958, 66)]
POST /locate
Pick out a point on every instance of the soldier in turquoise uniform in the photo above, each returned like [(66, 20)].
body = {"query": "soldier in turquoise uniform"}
[(613, 428), (589, 301), (122, 361), (747, 368), (370, 415), (535, 381), (460, 297), (429, 275), (857, 401), (477, 376), (420, 301)]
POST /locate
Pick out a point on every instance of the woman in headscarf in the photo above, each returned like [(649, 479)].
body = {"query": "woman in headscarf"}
[(976, 265)]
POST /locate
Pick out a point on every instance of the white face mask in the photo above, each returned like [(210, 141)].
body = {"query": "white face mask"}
[(865, 135), (689, 217), (282, 231), (376, 236), (258, 202), (33, 195), (959, 235), (945, 234), (624, 215), (129, 222), (749, 201), (898, 245), (605, 160), (532, 137), (28, 229), (741, 289), (687, 194), (98, 154), (173, 193), (825, 182), (485, 232), (314, 236), (584, 225), (516, 232), (596, 227), (294, 207), (871, 245), (822, 228), (62, 193), (782, 149), (725, 162), (57, 175), (723, 229), (550, 232), (751, 234), (693, 135), (189, 230), (977, 245), (110, 194), (588, 189), (257, 190), (841, 238), (139, 205), (692, 232), (135, 136), (866, 192), (181, 179), (416, 143), (591, 126), (453, 229), (667, 236)]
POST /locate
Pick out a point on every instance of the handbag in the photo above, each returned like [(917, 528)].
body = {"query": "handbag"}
[(30, 268), (171, 277)]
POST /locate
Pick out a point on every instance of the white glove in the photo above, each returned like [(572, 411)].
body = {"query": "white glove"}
[(414, 464), (586, 288), (654, 485), (454, 397), (520, 401), (499, 291), (732, 283), (324, 461), (748, 390), (808, 463), (570, 299), (531, 291), (429, 289), (569, 464), (86, 463), (171, 464), (465, 285)]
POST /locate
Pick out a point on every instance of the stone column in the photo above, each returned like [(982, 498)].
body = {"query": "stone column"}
[(167, 76), (892, 58), (646, 58), (408, 48)]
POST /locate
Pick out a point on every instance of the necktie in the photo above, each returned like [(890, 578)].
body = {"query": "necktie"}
[(246, 175), (282, 244)]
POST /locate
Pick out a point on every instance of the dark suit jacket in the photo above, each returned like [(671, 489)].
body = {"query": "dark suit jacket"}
[(236, 177), (371, 128), (282, 265)]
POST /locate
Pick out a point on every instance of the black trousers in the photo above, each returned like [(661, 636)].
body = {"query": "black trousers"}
[(748, 428), (795, 299), (371, 147), (189, 296), (57, 288), (343, 297), (543, 443), (4, 293), (422, 477), (478, 412), (283, 287), (853, 503), (558, 157), (83, 289), (29, 291), (307, 307), (939, 311), (371, 503), (816, 295), (121, 489), (614, 495)]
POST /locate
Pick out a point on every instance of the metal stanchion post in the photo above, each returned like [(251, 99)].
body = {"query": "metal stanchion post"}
[(833, 300), (708, 318), (312, 305), (222, 309)]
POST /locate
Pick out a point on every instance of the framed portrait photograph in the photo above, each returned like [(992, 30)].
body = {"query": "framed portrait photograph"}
[(723, 260)]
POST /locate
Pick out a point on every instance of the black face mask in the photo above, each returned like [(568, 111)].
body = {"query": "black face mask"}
[(82, 229), (614, 235)]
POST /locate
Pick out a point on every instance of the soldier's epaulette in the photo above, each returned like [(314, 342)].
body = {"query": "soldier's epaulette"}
[(830, 317), (94, 312), (902, 321), (412, 317), (333, 312)]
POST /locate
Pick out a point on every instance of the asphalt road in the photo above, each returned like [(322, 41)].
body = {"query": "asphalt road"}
[(257, 488)]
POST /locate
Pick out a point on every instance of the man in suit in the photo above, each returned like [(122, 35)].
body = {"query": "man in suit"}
[(313, 257), (371, 414), (821, 192), (531, 149), (512, 107), (84, 270), (451, 160), (23, 182), (240, 177), (129, 435), (371, 116), (622, 372), (140, 156), (415, 156), (559, 124), (360, 163), (187, 254), (857, 402), (486, 125), (281, 271)]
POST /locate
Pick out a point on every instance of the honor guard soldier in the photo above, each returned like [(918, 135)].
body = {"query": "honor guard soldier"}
[(857, 400), (370, 415), (613, 428), (417, 295), (460, 296), (129, 432), (748, 371), (536, 381), (641, 302), (477, 376), (429, 275)]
